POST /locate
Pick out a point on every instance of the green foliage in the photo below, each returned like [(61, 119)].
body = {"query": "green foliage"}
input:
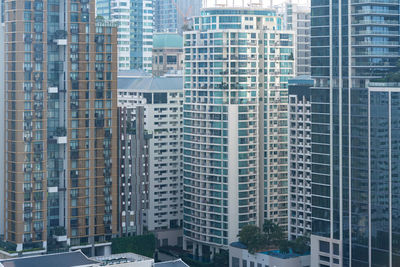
[(248, 233), (221, 259), (253, 238), (301, 245), (271, 236), (284, 246), (144, 245)]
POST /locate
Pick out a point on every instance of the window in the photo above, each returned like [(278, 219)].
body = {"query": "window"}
[(324, 258), (335, 249), (324, 246)]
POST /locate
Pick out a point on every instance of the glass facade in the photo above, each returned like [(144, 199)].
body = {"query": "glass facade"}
[(141, 34), (348, 50)]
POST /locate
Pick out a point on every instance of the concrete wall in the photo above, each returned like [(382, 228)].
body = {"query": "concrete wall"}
[(2, 125), (264, 259), (174, 237)]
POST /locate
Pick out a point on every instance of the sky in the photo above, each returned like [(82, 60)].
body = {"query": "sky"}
[(265, 3)]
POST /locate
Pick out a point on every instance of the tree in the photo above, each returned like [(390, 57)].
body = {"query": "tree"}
[(301, 245), (248, 233), (221, 258), (284, 246), (274, 232), (253, 238)]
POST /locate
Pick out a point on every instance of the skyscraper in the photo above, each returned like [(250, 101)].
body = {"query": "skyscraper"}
[(354, 168), (141, 34), (134, 19), (61, 108), (120, 15), (175, 15), (237, 64)]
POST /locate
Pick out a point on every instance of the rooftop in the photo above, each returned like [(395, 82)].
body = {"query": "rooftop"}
[(68, 259), (121, 258), (167, 40), (175, 263), (133, 74), (151, 83), (274, 253)]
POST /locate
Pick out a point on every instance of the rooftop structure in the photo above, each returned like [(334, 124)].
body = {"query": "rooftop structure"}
[(68, 259), (167, 53), (240, 257)]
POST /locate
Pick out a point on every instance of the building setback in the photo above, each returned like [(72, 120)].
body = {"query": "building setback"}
[(153, 108), (237, 64), (61, 128)]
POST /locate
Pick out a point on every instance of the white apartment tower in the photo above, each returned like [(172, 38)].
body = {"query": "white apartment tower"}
[(237, 64), (299, 223), (160, 101), (120, 14), (298, 19), (135, 30)]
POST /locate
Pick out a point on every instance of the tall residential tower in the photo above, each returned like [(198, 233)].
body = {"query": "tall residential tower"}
[(134, 19), (237, 64), (61, 111)]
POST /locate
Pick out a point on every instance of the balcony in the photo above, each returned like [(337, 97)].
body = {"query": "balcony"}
[(53, 90), (60, 41), (61, 140)]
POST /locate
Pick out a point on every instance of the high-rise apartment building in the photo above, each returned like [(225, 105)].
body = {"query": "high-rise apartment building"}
[(298, 19), (133, 169), (354, 169), (153, 109), (237, 64), (175, 15), (299, 223), (61, 126), (134, 19), (141, 34), (120, 14)]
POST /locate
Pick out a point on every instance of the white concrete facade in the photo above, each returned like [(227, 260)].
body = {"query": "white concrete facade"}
[(164, 122), (299, 223), (237, 64), (120, 14)]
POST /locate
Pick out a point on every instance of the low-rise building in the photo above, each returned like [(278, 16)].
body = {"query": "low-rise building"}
[(167, 53), (239, 256), (78, 259)]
